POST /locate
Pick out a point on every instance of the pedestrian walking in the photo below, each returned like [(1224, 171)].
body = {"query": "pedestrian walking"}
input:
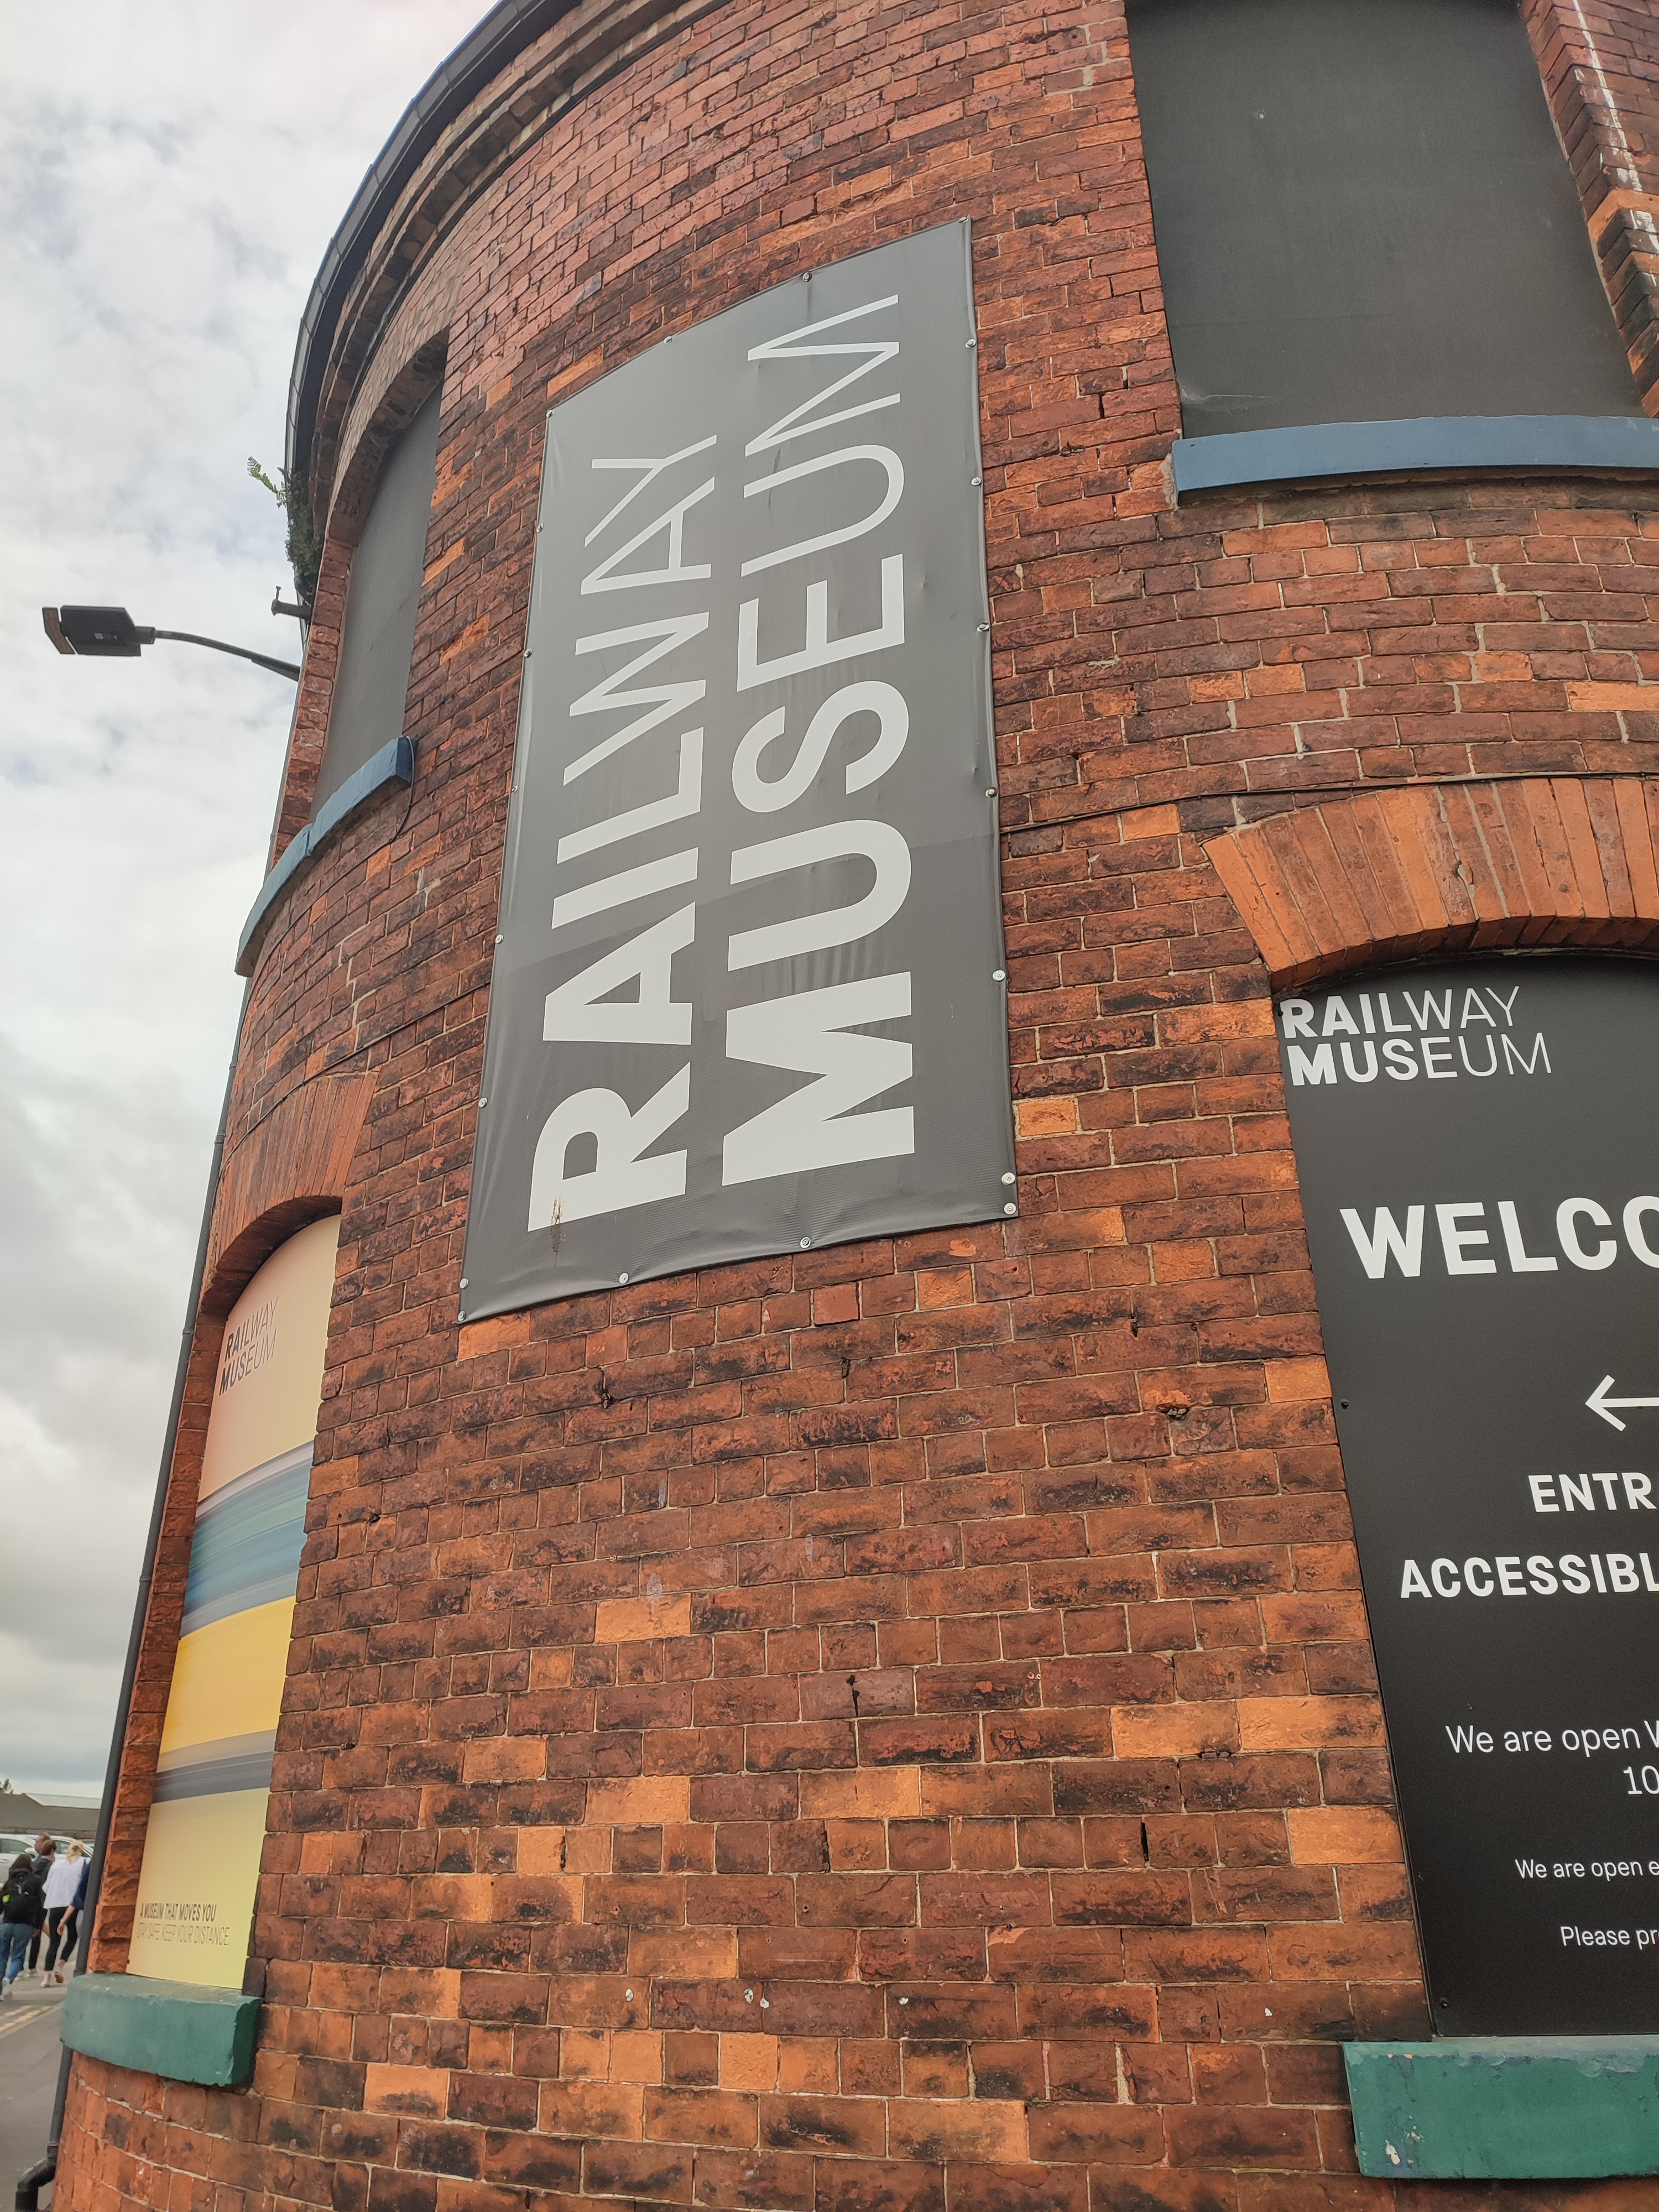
[(21, 1897), (45, 1850), (71, 1924), (64, 1878)]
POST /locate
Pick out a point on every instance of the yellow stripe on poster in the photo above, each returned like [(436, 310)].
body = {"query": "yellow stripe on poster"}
[(227, 1678), (201, 1869), (196, 1903)]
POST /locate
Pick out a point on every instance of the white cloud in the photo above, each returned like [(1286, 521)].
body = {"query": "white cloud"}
[(171, 178)]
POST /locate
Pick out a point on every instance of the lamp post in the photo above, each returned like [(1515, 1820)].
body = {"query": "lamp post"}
[(111, 634)]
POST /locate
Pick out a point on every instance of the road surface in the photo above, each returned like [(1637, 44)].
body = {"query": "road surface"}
[(29, 2052)]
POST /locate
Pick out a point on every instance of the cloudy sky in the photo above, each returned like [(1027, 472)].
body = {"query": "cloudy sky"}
[(170, 175)]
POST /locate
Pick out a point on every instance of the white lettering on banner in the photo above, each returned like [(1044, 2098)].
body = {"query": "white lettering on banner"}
[(1515, 1064), (659, 700), (1385, 1241), (1401, 1066), (592, 1157), (1612, 1574), (876, 841), (821, 650), (1460, 1238), (685, 798), (1634, 1234), (1568, 1215), (652, 471), (760, 796), (885, 458), (623, 889), (1421, 1045), (581, 1011), (619, 1176), (1521, 1262), (872, 355), (814, 1031), (1457, 1242), (1577, 1496), (1317, 1067), (674, 570)]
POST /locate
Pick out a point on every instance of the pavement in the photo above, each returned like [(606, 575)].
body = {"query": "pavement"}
[(29, 2053)]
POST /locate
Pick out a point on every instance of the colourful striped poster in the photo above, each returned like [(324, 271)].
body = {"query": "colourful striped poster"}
[(207, 1821)]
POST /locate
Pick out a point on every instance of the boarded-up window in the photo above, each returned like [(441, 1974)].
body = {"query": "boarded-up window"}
[(1363, 214), (384, 593)]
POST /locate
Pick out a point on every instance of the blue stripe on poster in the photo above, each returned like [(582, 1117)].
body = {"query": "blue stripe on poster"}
[(207, 1770), (249, 1537), (212, 1778)]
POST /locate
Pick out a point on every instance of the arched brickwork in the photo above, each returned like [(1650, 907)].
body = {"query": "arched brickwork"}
[(1447, 868), (290, 1168)]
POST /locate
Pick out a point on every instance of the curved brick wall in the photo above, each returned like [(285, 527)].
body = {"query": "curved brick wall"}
[(893, 1726)]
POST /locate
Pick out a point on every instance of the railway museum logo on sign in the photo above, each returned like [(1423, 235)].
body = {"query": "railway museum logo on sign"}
[(749, 987), (1404, 1033), (1484, 1229)]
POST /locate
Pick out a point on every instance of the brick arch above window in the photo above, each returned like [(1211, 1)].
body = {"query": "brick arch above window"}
[(289, 1168), (1448, 867)]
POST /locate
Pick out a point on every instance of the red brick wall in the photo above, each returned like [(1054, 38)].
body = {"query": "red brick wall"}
[(894, 1725)]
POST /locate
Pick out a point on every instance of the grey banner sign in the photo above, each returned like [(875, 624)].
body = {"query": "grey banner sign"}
[(1476, 1147), (749, 992)]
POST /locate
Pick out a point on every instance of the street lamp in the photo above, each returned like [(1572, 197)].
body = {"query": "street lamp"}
[(111, 634)]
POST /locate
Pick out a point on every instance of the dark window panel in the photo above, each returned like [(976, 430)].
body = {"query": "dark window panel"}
[(381, 602), (1363, 214)]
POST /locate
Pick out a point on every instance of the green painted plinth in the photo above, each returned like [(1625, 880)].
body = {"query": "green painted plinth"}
[(1506, 2108), (175, 2029)]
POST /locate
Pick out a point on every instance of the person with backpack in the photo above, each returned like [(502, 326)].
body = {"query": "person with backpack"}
[(46, 1852), (22, 1905)]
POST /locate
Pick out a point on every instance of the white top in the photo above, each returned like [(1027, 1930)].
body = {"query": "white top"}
[(63, 1880)]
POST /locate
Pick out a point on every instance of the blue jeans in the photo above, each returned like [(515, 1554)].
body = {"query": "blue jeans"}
[(13, 1948)]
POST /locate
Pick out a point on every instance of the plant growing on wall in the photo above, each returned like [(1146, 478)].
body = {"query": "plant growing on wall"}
[(305, 544)]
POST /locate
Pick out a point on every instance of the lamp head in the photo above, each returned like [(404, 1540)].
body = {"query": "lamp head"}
[(100, 633)]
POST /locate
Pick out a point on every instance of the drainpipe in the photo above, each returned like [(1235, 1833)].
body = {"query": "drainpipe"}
[(32, 2182)]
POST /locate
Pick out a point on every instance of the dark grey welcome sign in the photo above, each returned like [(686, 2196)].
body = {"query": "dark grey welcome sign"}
[(748, 992), (1479, 1152)]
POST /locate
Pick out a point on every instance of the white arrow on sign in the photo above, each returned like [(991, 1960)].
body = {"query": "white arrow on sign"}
[(1598, 1401)]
